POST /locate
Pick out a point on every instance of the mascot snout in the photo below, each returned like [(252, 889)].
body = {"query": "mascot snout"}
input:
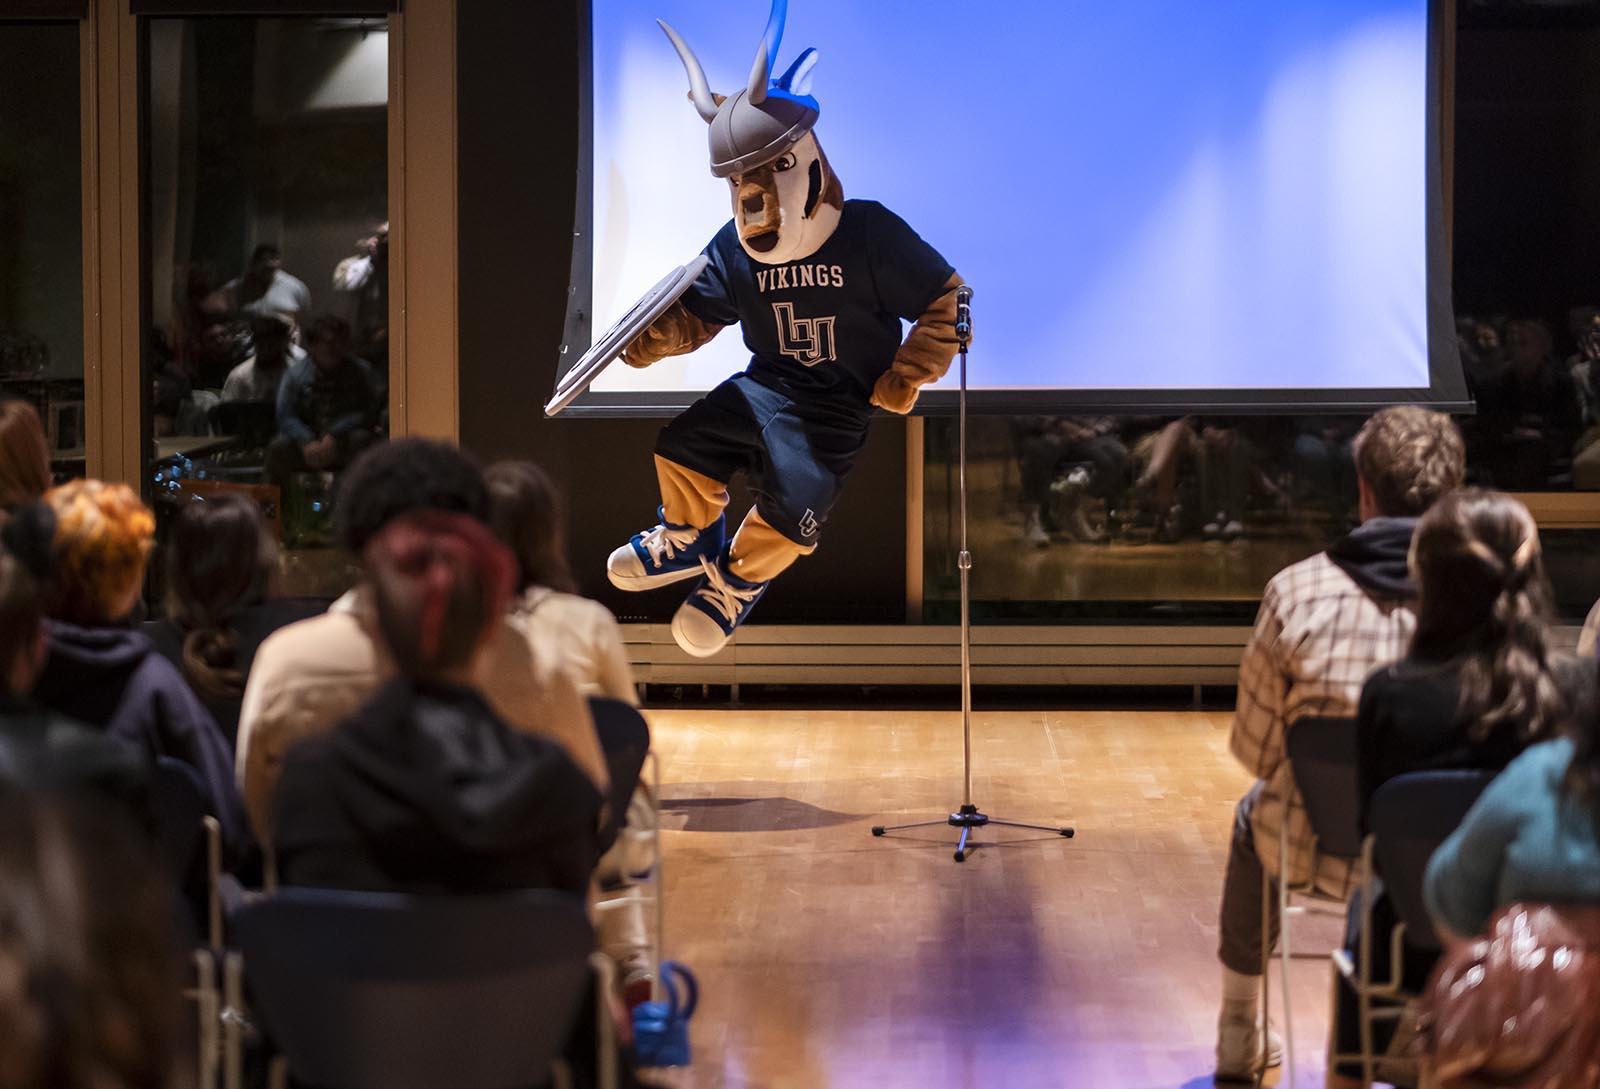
[(760, 212)]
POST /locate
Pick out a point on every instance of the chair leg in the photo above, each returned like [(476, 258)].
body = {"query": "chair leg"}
[(605, 1031), (1266, 974), (207, 1005), (233, 1021), (1283, 946)]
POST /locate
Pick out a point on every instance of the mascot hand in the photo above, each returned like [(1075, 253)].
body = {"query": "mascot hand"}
[(894, 393), (648, 347), (675, 332)]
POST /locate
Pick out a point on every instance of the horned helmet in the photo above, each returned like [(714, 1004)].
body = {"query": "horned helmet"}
[(786, 198)]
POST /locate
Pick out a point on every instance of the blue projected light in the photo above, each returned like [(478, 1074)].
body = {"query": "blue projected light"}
[(1148, 195)]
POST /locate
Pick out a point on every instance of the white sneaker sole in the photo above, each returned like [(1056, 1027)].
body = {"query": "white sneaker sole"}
[(689, 623)]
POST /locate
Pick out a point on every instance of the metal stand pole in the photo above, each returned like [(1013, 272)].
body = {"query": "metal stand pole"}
[(967, 817)]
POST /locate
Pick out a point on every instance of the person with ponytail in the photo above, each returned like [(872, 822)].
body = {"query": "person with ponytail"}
[(425, 788), (222, 567), (1481, 681), (1479, 684)]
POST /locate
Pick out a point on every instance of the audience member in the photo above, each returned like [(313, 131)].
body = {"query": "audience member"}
[(92, 540), (561, 626), (1585, 370), (1530, 413), (1524, 870), (364, 277), (259, 376), (24, 455), (310, 676), (1324, 624), (328, 405), (266, 288), (40, 749), (525, 510), (89, 965), (1045, 444), (1479, 685), (222, 570), (425, 788)]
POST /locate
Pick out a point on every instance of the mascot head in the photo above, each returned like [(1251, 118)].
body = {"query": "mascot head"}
[(786, 198)]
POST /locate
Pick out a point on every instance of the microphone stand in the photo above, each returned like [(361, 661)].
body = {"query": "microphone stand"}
[(968, 816)]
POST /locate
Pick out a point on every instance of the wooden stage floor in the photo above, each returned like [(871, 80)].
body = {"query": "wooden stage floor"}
[(830, 959)]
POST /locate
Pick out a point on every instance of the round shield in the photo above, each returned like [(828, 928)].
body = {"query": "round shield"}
[(609, 347)]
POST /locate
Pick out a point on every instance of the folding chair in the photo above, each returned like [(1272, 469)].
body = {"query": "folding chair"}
[(625, 741), (365, 990), (1411, 815), (1322, 758), (189, 839)]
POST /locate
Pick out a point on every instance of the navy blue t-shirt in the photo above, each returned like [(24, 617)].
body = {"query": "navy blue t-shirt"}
[(828, 326)]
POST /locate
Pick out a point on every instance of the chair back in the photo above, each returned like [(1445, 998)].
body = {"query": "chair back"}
[(178, 801), (365, 990), (1322, 757), (625, 741), (1411, 816)]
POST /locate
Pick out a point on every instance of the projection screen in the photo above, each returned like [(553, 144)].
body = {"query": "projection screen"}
[(1161, 205)]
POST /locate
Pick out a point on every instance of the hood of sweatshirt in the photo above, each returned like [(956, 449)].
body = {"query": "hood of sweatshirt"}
[(437, 777), (97, 650), (1374, 555)]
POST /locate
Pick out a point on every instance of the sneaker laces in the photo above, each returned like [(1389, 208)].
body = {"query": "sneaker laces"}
[(720, 594), (667, 540)]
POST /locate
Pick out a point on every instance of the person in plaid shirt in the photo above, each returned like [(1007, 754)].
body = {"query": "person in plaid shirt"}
[(1324, 624)]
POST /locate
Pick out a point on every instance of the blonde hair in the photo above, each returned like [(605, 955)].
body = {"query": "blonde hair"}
[(102, 540), (24, 454)]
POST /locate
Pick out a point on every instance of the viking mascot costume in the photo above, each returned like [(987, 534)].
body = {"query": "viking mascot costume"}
[(819, 285)]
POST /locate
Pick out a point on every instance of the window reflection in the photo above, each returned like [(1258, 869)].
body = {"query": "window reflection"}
[(267, 357), (41, 233), (1185, 519)]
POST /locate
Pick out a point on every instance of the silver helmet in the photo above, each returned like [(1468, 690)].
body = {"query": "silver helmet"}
[(766, 118)]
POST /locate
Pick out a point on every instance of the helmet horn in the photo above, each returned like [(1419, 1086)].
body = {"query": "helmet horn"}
[(699, 89), (768, 53)]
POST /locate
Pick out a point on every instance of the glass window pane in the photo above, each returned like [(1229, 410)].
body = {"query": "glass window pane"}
[(1172, 521), (41, 231), (267, 359)]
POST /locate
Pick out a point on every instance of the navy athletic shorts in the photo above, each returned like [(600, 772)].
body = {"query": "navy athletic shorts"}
[(794, 455)]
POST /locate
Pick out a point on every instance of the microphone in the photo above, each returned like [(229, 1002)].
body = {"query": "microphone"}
[(963, 313)]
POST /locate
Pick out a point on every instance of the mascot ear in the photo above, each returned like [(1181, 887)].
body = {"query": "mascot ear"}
[(797, 80)]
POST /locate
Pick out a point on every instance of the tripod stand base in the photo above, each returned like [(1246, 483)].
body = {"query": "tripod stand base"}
[(967, 818)]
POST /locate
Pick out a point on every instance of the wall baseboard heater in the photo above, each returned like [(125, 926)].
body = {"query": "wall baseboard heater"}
[(910, 655)]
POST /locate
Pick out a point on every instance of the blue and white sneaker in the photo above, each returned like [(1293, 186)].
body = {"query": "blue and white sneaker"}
[(719, 603), (664, 555)]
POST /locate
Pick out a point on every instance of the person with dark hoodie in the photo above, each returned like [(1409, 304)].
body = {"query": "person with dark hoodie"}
[(222, 567), (1324, 624), (425, 788), (1479, 685), (90, 541), (40, 750)]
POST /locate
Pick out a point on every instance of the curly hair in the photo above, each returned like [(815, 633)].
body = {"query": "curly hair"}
[(102, 540), (1484, 601), (396, 478), (1409, 457), (89, 986)]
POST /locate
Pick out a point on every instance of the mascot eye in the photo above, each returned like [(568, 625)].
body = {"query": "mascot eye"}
[(784, 162)]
